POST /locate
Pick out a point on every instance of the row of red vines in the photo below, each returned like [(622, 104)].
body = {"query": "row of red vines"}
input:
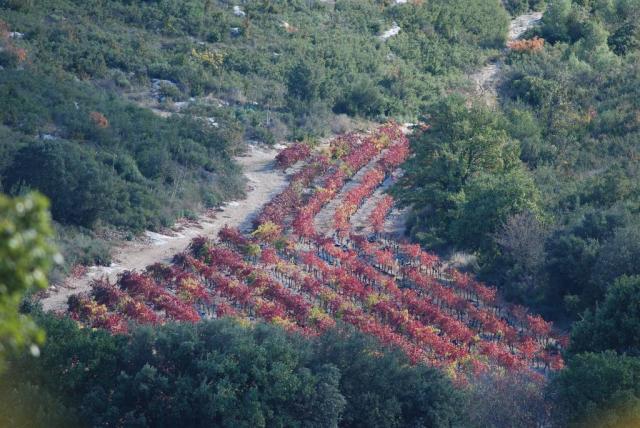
[(293, 154), (380, 213), (396, 292), (357, 158)]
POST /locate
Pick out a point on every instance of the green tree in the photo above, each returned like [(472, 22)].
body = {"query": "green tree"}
[(517, 7), (618, 256), (488, 201), (587, 256), (521, 256), (565, 21), (569, 264), (461, 157), (29, 405), (625, 39), (362, 98), (593, 44), (79, 187), (598, 391), (304, 84), (615, 324), (383, 390), (223, 373), (26, 255), (554, 22)]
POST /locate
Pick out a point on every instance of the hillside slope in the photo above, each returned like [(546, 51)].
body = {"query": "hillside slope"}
[(137, 109)]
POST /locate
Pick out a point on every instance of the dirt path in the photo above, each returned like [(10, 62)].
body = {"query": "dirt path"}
[(487, 78), (486, 82), (263, 183)]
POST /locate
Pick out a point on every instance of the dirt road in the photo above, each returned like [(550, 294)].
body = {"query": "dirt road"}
[(487, 78), (264, 181)]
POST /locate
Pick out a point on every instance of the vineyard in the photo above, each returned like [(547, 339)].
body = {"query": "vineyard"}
[(289, 273)]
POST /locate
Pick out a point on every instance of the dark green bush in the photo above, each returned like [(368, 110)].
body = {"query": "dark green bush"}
[(220, 373)]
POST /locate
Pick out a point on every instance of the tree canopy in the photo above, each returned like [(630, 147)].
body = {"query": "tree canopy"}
[(220, 373), (615, 323), (465, 178), (598, 390)]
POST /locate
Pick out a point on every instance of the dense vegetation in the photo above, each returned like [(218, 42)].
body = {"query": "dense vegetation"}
[(516, 7), (307, 280), (600, 386), (220, 373), (109, 161), (301, 56), (546, 190)]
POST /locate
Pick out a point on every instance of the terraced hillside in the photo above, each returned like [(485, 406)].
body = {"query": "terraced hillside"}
[(306, 275)]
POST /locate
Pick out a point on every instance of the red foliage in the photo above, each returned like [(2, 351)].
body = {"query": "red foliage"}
[(354, 198), (190, 289), (526, 45), (116, 299), (292, 154), (380, 212), (99, 119), (290, 199), (269, 256), (81, 308), (538, 326), (233, 236), (141, 285), (225, 310)]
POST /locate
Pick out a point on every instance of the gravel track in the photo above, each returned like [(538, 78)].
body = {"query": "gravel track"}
[(264, 181)]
